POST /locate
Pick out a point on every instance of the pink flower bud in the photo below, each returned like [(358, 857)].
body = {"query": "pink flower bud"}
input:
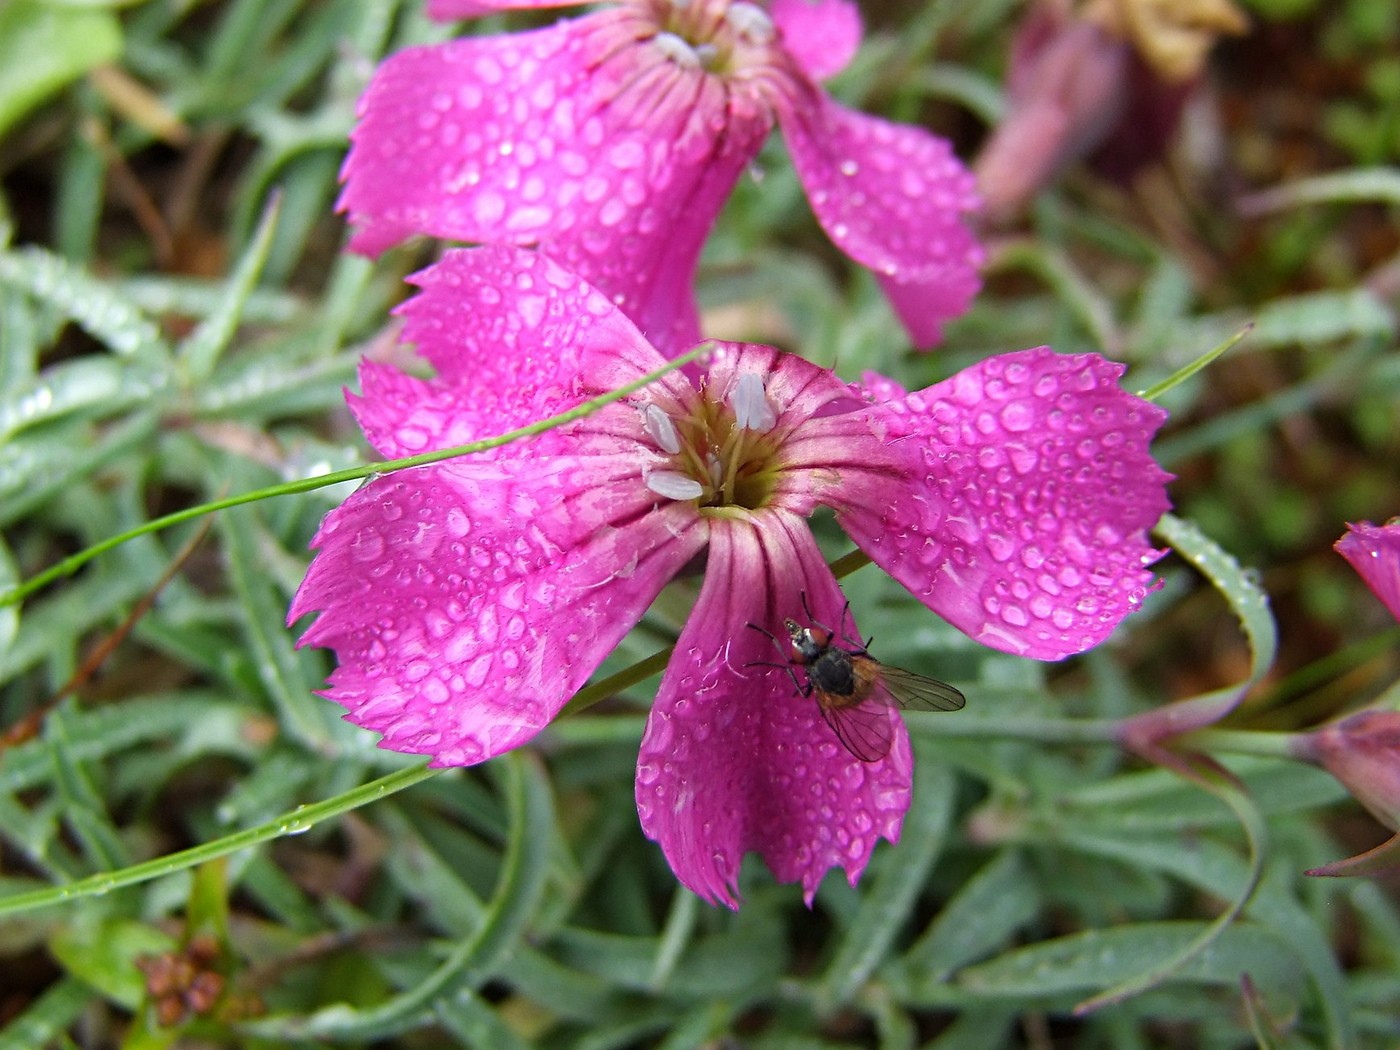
[(1363, 752)]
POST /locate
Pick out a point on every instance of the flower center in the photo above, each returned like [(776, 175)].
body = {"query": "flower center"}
[(725, 37), (721, 455)]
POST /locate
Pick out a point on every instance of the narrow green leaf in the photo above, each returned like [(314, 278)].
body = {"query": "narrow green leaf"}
[(9, 615), (93, 387), (1359, 185), (1239, 587), (675, 935), (1157, 390), (84, 810), (105, 314), (37, 469), (891, 895), (476, 1024), (1070, 286), (207, 909), (978, 1028), (200, 351), (307, 718), (47, 1016), (1251, 821)]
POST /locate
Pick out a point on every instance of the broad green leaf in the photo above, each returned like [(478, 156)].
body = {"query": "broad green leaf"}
[(980, 918), (44, 47), (104, 951), (1323, 317), (1090, 961)]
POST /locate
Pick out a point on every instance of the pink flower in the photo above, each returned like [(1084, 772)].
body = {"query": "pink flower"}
[(468, 600), (1374, 552), (1106, 81), (612, 140)]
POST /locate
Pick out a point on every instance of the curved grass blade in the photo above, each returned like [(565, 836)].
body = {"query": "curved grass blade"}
[(523, 874)]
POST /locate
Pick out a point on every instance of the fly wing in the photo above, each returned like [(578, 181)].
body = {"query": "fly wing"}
[(914, 692), (863, 729)]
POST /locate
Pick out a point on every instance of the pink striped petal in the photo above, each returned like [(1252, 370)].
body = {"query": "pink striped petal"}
[(822, 35), (1374, 552), (891, 197), (585, 139), (467, 602), (1031, 493), (514, 338), (733, 758)]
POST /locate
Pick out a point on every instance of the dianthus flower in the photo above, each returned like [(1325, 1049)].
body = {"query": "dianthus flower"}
[(612, 140), (468, 600), (1363, 750), (1106, 79)]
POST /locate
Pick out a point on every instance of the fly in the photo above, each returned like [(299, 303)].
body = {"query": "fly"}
[(854, 690)]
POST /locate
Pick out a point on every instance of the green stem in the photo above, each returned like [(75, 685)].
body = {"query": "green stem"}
[(1242, 742), (615, 683), (71, 564), (295, 822)]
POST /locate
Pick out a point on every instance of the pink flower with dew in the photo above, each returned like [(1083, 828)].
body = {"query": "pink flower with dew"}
[(1374, 552), (468, 600), (612, 140)]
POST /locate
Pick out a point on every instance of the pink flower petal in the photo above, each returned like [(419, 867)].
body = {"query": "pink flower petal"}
[(467, 602), (585, 139), (891, 197), (1026, 525), (733, 759), (512, 336), (822, 35), (1374, 552)]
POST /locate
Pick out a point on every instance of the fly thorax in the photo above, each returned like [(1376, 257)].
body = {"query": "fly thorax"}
[(832, 673)]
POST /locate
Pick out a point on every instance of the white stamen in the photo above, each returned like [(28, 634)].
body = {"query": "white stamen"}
[(659, 427), (751, 22), (673, 484), (677, 50), (752, 410), (716, 470)]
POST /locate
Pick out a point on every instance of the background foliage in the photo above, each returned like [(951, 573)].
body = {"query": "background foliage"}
[(177, 324)]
